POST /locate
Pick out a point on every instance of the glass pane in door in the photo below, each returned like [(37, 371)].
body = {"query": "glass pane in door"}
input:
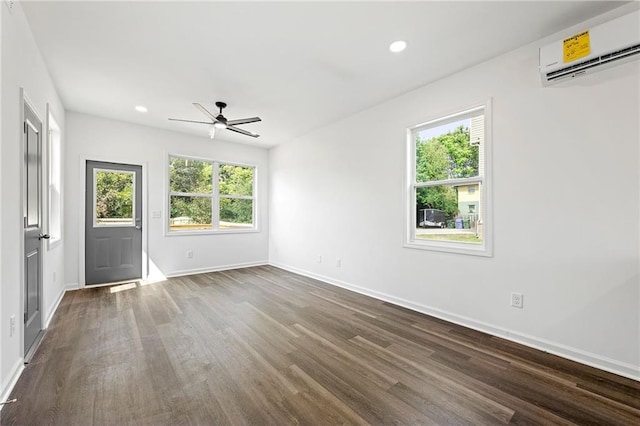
[(33, 177), (113, 197)]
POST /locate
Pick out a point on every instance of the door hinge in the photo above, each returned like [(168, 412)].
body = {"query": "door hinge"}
[(24, 127), (24, 222), (25, 317)]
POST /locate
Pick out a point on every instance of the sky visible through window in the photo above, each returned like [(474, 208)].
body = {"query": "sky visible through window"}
[(440, 130)]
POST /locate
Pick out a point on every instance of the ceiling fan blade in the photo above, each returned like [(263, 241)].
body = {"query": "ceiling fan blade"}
[(205, 111), (243, 132), (191, 121), (243, 121)]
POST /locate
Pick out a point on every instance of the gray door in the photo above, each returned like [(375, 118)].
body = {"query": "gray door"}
[(113, 224), (32, 228)]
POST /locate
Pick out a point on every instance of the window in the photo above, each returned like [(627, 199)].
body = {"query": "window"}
[(210, 196), (235, 186), (448, 203), (55, 182), (190, 194), (113, 198)]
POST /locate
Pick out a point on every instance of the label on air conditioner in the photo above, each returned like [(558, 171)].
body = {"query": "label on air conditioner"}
[(576, 47)]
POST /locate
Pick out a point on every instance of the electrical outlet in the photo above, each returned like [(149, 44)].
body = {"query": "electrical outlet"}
[(517, 300), (189, 254), (338, 262), (319, 259), (12, 325)]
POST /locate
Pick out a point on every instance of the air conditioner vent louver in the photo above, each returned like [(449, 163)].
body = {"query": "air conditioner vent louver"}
[(609, 57), (606, 45), (574, 67), (623, 52)]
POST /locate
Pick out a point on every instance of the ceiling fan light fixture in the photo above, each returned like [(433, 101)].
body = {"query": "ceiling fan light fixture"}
[(220, 125)]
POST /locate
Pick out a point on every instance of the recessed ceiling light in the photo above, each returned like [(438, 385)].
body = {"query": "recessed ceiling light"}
[(141, 108), (398, 46)]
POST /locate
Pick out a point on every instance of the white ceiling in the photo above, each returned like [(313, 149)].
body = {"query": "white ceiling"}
[(298, 65)]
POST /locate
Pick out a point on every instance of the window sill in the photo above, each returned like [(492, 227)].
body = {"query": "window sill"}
[(210, 232), (451, 247)]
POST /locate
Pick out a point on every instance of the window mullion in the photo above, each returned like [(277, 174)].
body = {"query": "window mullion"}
[(461, 181), (189, 194), (254, 182), (215, 202), (237, 197)]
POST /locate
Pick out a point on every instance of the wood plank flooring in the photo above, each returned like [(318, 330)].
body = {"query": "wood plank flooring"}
[(263, 346)]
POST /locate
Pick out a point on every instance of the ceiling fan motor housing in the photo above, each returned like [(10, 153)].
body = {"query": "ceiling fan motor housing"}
[(221, 118)]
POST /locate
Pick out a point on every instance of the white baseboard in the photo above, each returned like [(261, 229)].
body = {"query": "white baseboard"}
[(7, 387), (603, 363), (71, 286), (54, 308), (215, 269)]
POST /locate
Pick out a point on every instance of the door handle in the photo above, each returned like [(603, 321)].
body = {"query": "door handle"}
[(138, 227), (44, 236)]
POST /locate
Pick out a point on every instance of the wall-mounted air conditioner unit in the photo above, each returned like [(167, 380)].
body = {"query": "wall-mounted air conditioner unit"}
[(594, 49)]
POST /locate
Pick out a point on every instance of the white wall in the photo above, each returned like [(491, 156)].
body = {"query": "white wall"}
[(94, 138), (22, 67), (3, 387), (566, 209)]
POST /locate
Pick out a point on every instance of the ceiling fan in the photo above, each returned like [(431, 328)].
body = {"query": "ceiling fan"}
[(220, 122)]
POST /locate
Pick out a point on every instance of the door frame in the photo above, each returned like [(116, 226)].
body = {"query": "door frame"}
[(44, 169), (82, 214)]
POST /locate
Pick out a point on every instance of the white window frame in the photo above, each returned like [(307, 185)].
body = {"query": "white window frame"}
[(54, 152), (215, 199), (410, 241)]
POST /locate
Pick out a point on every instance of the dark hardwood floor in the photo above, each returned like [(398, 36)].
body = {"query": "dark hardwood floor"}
[(264, 346)]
